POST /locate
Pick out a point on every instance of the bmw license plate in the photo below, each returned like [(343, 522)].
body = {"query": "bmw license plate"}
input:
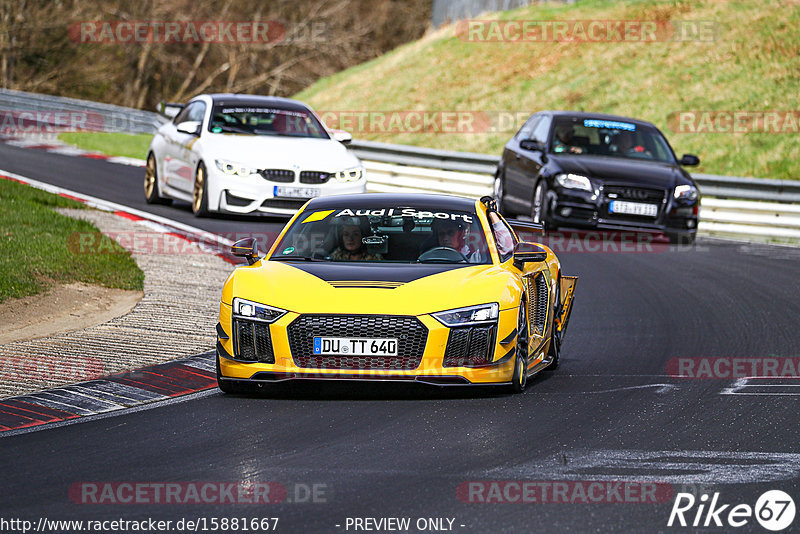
[(295, 192), (352, 346), (633, 208)]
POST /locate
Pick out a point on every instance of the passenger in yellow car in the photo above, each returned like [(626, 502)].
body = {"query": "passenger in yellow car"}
[(351, 248)]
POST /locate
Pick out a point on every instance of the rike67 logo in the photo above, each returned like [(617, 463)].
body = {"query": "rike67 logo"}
[(774, 510)]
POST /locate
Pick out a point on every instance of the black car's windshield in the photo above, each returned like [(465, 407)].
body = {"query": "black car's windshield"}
[(617, 139), (385, 234), (266, 120)]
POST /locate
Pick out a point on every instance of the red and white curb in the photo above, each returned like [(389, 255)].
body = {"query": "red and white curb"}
[(125, 390), (109, 394), (52, 144)]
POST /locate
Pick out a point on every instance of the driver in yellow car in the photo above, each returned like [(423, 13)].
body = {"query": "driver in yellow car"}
[(453, 234)]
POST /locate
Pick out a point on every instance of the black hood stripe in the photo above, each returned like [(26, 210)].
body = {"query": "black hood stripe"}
[(341, 273)]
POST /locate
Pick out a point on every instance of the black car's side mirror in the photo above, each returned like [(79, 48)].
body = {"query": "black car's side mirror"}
[(246, 248), (529, 252), (690, 160), (531, 144)]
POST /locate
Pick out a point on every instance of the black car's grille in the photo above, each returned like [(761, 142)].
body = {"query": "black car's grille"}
[(537, 304), (469, 346), (634, 194), (410, 333), (278, 175), (315, 177), (252, 341), (285, 203)]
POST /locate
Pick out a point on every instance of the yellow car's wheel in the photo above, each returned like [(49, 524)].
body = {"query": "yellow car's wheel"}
[(520, 378), (200, 192)]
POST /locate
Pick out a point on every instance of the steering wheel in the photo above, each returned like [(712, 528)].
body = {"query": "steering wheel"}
[(443, 254)]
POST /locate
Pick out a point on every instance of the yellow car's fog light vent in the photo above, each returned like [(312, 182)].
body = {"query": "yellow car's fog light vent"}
[(252, 341), (470, 346)]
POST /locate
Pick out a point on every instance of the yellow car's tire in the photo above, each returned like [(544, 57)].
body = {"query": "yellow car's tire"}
[(520, 377)]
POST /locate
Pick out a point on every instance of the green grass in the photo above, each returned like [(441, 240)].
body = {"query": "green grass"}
[(113, 144), (748, 66), (39, 247)]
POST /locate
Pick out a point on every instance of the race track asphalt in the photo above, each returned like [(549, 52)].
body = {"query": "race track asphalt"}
[(610, 412)]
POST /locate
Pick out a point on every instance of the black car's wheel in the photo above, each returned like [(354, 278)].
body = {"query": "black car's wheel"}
[(538, 208), (520, 378), (554, 352), (151, 192), (499, 191), (200, 192)]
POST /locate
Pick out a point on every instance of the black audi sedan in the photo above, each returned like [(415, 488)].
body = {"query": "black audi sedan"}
[(590, 170)]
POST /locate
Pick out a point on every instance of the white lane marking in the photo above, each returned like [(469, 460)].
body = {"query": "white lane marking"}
[(662, 388), (113, 206), (741, 386), (676, 467)]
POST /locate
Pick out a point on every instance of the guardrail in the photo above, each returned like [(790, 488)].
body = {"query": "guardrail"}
[(58, 112), (731, 205)]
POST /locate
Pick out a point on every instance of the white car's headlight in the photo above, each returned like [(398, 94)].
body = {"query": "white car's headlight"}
[(574, 181), (353, 174), (686, 192), (256, 311), (234, 169), (482, 313)]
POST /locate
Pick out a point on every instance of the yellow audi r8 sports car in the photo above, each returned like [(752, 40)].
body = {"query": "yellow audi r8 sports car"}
[(404, 287)]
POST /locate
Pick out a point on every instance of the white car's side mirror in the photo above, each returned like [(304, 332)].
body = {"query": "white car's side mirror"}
[(189, 127), (342, 136)]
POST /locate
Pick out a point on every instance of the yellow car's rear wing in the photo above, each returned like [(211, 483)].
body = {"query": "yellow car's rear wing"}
[(567, 297)]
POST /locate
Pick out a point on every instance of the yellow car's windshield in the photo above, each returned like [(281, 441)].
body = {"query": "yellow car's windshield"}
[(391, 234)]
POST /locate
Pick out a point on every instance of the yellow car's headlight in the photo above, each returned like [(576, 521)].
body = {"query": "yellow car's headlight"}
[(255, 311), (480, 314)]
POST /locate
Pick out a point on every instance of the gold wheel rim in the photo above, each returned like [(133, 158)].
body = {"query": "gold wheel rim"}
[(150, 177), (199, 184)]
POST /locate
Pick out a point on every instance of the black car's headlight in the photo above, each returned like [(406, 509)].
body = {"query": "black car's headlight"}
[(574, 181), (685, 192), (480, 314), (255, 311)]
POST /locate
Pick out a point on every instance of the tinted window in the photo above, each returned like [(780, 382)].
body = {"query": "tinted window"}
[(385, 234), (265, 120), (541, 130), (609, 138), (527, 130)]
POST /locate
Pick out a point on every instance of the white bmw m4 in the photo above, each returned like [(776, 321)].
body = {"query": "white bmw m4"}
[(248, 154)]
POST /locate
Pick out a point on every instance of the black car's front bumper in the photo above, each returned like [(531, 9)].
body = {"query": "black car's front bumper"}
[(590, 209)]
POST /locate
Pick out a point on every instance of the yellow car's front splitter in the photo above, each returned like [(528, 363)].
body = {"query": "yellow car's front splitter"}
[(430, 369)]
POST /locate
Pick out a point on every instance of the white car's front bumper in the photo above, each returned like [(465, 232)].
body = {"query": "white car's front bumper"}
[(256, 194)]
